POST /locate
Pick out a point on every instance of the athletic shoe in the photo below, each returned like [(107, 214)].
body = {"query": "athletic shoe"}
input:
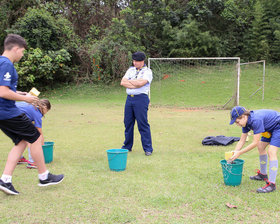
[(22, 161), (148, 153), (269, 187), (31, 165), (259, 176), (52, 179), (8, 188)]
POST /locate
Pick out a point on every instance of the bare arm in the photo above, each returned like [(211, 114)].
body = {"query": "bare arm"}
[(138, 82), (125, 83), (254, 144), (21, 93), (8, 94), (133, 84), (241, 142)]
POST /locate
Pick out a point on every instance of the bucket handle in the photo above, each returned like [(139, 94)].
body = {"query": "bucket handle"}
[(229, 171), (115, 155)]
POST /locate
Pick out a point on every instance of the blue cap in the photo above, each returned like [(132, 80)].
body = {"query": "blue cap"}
[(235, 113), (138, 56)]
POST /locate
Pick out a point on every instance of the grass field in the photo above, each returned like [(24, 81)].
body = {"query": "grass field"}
[(181, 182)]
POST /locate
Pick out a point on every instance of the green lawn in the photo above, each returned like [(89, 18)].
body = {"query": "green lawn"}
[(181, 182)]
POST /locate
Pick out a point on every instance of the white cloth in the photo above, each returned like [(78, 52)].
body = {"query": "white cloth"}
[(144, 73)]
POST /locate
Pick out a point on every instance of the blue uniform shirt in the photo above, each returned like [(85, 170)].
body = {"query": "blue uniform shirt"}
[(33, 113), (262, 120), (144, 73), (8, 77)]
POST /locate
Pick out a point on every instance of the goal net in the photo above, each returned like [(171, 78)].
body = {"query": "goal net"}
[(195, 82), (252, 78)]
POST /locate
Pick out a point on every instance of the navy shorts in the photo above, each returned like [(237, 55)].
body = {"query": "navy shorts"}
[(275, 138), (20, 128)]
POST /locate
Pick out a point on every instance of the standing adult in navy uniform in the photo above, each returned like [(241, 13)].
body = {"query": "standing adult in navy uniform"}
[(137, 81)]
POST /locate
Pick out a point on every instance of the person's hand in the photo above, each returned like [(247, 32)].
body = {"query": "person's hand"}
[(236, 154), (22, 93), (31, 99)]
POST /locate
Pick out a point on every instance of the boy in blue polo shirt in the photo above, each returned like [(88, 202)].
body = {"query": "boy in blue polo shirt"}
[(15, 124), (266, 127)]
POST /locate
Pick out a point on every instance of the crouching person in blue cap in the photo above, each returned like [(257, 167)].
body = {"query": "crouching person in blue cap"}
[(137, 81), (266, 127)]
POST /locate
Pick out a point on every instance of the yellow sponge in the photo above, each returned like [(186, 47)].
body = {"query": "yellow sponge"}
[(228, 155), (34, 92)]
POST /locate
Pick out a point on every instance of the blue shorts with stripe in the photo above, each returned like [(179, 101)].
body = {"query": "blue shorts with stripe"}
[(275, 138)]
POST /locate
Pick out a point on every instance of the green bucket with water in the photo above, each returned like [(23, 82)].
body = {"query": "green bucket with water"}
[(232, 172), (48, 151), (117, 159)]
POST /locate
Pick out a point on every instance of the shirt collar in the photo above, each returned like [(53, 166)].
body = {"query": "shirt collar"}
[(249, 121), (144, 66)]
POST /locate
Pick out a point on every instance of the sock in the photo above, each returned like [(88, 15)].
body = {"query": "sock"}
[(263, 164), (43, 176), (6, 178), (273, 168)]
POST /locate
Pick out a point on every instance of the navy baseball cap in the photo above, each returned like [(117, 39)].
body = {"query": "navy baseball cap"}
[(138, 56), (235, 113)]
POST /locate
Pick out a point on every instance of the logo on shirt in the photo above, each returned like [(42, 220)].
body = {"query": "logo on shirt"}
[(7, 77)]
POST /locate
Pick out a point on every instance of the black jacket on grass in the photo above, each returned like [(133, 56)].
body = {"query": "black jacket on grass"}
[(219, 140)]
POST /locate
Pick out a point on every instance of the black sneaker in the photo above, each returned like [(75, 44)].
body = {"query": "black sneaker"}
[(259, 176), (269, 187), (52, 179), (8, 188)]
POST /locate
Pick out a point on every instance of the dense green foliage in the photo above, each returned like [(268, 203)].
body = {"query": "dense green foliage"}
[(43, 68), (101, 35)]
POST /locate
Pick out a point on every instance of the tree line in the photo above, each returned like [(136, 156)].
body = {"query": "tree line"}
[(92, 41)]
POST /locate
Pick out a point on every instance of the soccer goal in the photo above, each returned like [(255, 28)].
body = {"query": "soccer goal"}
[(195, 82), (252, 79)]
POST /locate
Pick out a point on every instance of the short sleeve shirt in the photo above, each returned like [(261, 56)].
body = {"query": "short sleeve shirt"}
[(33, 113), (144, 73), (9, 78), (262, 120)]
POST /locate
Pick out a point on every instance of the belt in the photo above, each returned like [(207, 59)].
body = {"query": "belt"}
[(137, 95)]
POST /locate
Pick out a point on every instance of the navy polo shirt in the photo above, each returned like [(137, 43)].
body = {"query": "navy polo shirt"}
[(262, 120), (8, 77)]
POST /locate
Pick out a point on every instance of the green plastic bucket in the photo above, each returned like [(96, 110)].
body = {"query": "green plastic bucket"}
[(117, 159), (232, 172), (48, 151)]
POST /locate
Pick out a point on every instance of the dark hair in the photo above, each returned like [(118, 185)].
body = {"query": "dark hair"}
[(247, 113), (14, 40), (43, 103)]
